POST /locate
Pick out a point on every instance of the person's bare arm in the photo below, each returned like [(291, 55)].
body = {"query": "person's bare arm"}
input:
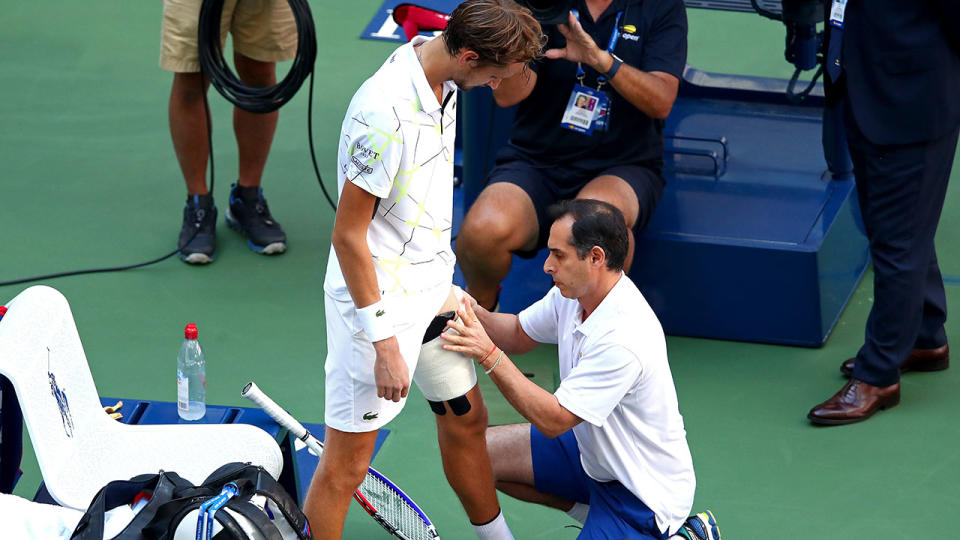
[(354, 212), (503, 329), (540, 407)]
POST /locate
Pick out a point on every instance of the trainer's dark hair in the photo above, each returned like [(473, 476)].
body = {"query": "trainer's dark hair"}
[(499, 31), (595, 223)]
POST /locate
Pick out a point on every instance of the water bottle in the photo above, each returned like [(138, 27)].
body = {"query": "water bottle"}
[(191, 377)]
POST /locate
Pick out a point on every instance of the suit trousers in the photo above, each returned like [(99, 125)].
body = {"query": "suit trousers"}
[(901, 190)]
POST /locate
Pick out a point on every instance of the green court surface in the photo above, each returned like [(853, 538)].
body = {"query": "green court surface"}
[(89, 179)]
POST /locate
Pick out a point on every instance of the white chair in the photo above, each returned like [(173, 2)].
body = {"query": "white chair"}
[(78, 446)]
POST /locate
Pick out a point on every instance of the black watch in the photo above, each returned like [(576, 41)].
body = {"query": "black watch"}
[(613, 67)]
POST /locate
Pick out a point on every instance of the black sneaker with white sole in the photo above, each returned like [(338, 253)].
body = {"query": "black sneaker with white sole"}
[(198, 234), (249, 215)]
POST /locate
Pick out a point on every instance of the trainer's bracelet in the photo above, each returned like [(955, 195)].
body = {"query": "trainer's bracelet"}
[(376, 321), (495, 364)]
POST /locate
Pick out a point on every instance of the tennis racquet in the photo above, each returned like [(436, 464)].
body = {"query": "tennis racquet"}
[(395, 512)]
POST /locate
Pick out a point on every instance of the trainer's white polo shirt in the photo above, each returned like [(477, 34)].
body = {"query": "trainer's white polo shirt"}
[(397, 143), (615, 376)]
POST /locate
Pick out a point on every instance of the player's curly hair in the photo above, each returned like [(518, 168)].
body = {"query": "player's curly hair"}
[(500, 31)]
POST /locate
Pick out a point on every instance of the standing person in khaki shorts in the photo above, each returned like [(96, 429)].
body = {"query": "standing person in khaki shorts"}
[(264, 32)]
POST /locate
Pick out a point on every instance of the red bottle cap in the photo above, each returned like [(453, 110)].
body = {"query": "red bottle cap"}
[(190, 332), (3, 310)]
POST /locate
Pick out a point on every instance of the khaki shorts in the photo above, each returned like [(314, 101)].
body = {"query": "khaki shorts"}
[(263, 30)]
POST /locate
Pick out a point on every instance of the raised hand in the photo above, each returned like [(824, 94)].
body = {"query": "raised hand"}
[(580, 46)]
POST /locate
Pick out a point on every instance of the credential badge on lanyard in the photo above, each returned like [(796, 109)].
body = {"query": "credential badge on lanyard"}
[(836, 13), (588, 109)]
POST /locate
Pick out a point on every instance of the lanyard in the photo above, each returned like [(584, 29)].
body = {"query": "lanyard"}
[(611, 45)]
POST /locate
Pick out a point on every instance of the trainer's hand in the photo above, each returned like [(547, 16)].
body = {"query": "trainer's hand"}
[(472, 302), (472, 340), (390, 370), (580, 46)]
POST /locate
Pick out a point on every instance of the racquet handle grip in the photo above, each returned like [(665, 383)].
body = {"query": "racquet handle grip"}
[(252, 392)]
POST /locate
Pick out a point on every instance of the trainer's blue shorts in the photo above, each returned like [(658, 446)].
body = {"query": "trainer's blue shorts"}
[(615, 512)]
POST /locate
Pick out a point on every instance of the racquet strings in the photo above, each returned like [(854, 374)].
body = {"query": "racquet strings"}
[(395, 509)]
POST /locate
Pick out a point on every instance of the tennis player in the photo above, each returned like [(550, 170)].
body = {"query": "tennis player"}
[(609, 446), (391, 267)]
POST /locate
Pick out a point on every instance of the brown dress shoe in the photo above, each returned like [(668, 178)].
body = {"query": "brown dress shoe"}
[(855, 402), (919, 360)]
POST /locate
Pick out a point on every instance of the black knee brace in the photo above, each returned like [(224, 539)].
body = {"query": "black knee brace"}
[(459, 405), (438, 325)]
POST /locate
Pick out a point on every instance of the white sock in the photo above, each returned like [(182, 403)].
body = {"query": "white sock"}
[(579, 512), (494, 530)]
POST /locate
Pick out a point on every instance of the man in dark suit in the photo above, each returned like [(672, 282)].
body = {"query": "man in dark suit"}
[(897, 65)]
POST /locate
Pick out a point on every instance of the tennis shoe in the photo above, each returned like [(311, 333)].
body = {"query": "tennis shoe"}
[(198, 241), (702, 526), (251, 218)]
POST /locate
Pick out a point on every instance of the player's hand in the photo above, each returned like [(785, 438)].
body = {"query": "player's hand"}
[(390, 370), (472, 340), (580, 46)]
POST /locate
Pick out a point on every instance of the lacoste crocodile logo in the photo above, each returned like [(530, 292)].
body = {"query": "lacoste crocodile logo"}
[(380, 313), (370, 416)]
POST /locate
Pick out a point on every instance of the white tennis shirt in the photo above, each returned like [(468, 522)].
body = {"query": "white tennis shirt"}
[(615, 376), (396, 142)]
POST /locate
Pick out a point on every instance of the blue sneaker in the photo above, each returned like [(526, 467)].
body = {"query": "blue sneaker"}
[(198, 233), (702, 526), (249, 215)]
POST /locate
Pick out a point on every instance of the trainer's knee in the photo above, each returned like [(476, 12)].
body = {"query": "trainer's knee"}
[(510, 455)]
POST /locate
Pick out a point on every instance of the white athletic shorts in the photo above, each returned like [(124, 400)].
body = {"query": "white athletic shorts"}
[(351, 402)]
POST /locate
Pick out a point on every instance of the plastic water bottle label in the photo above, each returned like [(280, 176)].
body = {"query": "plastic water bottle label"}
[(183, 392)]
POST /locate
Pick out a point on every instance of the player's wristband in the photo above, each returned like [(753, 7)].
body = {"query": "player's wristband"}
[(376, 321)]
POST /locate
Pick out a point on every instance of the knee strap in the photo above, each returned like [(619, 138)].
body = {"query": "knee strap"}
[(459, 405), (438, 325), (444, 376)]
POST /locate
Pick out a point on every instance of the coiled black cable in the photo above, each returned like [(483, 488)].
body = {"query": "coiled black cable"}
[(248, 98), (270, 98)]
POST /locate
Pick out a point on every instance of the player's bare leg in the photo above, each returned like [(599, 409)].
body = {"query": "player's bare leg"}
[(465, 462), (342, 467)]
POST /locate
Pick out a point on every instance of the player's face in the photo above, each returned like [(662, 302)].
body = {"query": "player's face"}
[(475, 75), (570, 273)]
